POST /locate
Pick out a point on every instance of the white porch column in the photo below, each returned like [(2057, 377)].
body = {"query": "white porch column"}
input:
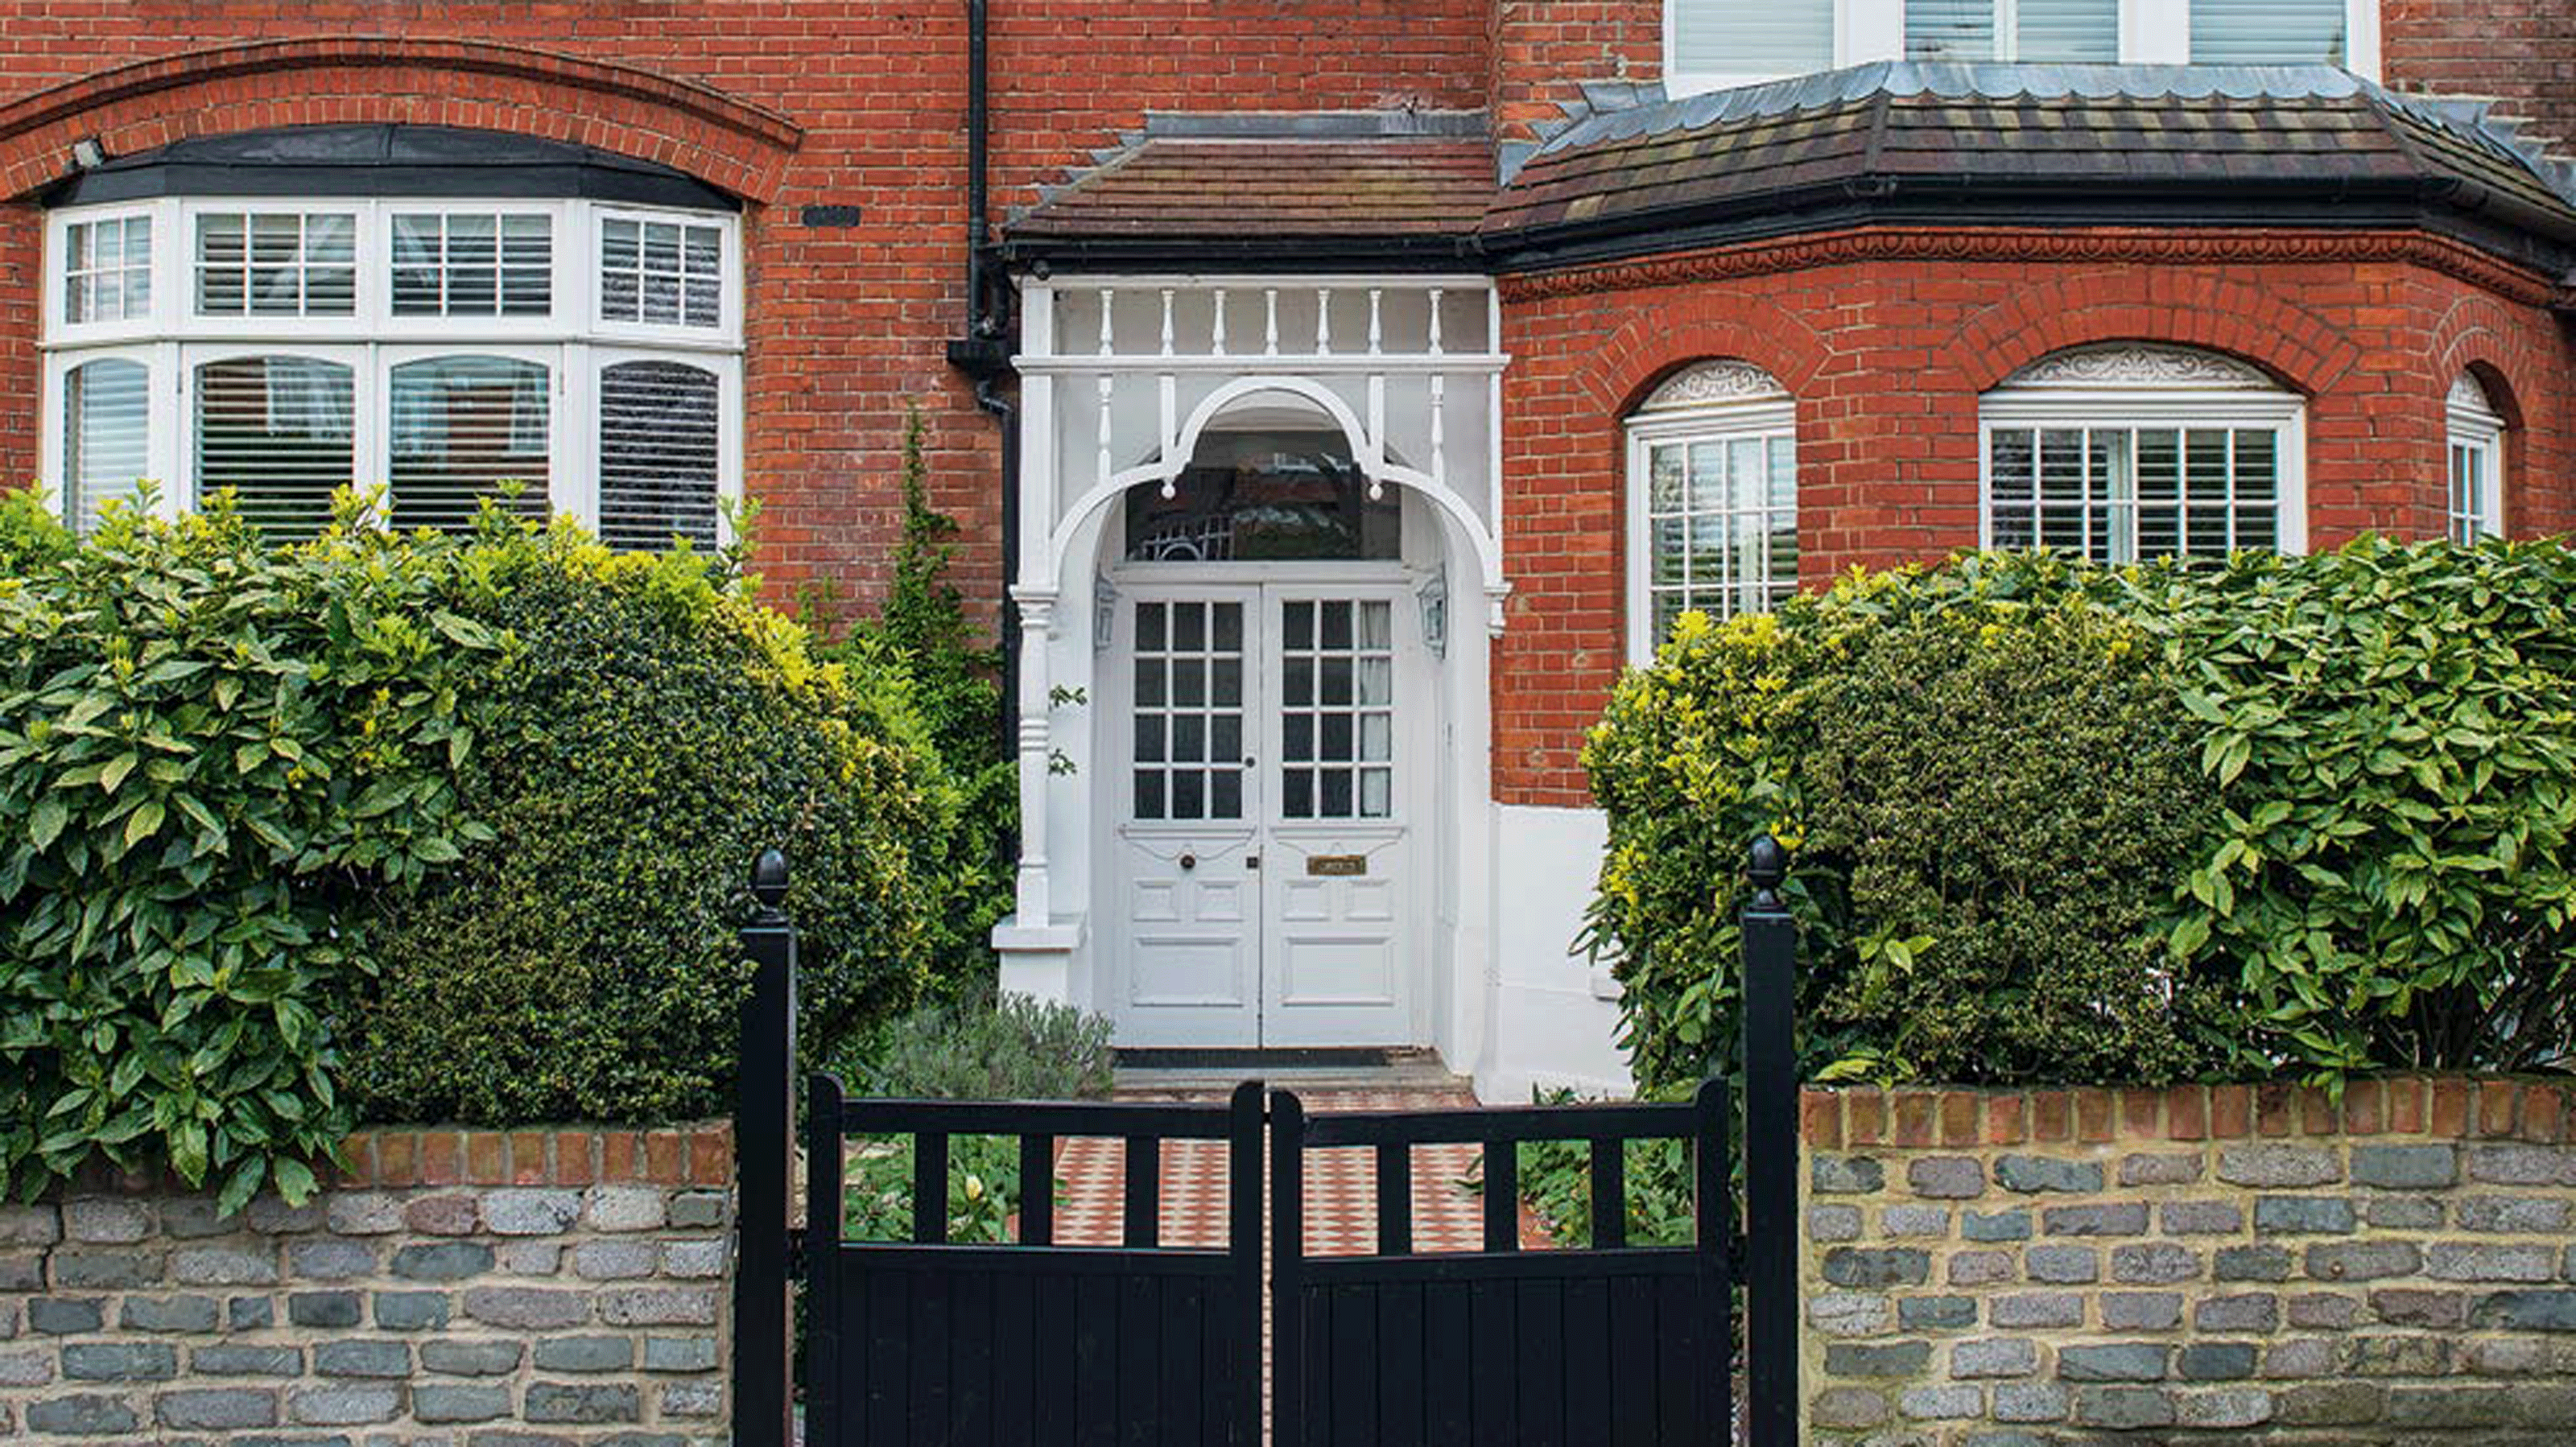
[(1036, 949)]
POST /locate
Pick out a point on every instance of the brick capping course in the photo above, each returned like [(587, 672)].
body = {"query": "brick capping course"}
[(2246, 1263)]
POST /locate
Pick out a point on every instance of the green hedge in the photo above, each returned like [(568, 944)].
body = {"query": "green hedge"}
[(2297, 816), (417, 826)]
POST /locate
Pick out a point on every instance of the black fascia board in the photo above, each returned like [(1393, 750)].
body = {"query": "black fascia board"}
[(1970, 202), (557, 181)]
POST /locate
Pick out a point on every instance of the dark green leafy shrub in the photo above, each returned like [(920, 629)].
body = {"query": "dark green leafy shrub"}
[(1989, 785), (2393, 733), (2055, 823), (656, 731), (210, 755)]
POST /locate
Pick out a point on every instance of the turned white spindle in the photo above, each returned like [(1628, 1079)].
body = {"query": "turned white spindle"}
[(1323, 321), (1377, 333), (1270, 321)]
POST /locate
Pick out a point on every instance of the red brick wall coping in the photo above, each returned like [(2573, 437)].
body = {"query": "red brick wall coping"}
[(641, 112), (692, 1154), (2542, 1112), (2097, 245)]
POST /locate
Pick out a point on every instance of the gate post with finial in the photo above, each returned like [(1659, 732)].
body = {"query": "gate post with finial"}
[(764, 1136), (1770, 1152)]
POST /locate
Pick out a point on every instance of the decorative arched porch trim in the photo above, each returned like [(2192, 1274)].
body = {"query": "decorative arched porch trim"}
[(1064, 539), (474, 84)]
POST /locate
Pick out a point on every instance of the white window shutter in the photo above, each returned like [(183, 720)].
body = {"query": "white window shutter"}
[(106, 426), (1752, 38), (275, 430), (2083, 32), (658, 455), (462, 427), (2057, 31), (2268, 32)]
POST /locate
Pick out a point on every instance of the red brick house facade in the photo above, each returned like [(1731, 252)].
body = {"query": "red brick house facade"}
[(1381, 376)]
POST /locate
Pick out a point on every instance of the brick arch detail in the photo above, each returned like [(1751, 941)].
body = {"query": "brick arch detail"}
[(2478, 333), (2297, 347), (1642, 353), (468, 83)]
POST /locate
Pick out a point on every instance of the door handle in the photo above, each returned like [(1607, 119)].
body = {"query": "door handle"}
[(1252, 861), (1189, 861)]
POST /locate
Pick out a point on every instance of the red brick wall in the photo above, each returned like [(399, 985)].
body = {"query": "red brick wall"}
[(850, 103), (1887, 338), (1544, 49), (2520, 52)]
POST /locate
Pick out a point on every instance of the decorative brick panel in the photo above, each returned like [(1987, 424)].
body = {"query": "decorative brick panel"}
[(2305, 1270), (557, 1287)]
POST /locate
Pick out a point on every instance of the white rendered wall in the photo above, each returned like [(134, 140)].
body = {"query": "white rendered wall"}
[(1553, 1023)]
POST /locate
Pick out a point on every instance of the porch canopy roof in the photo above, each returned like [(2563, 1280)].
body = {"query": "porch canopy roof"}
[(1897, 141)]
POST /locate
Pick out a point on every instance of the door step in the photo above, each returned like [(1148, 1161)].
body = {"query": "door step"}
[(1337, 1068)]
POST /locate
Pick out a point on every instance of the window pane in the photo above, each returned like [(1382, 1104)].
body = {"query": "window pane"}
[(664, 272), (659, 457), (1726, 543), (276, 431), (277, 263), (2267, 32), (472, 264), (1265, 497), (107, 270), (461, 428), (1752, 37), (106, 426)]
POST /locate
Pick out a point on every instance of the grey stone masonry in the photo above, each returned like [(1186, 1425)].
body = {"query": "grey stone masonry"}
[(539, 1288), (2255, 1264)]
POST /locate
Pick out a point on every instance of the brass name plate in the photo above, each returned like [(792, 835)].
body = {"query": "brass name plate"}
[(1340, 864)]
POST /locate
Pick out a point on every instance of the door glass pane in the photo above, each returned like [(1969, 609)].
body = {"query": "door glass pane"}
[(1189, 735), (1338, 707)]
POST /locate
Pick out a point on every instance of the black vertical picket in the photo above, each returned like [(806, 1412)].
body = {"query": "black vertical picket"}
[(1243, 1240), (764, 1146), (1287, 1268), (1770, 1154)]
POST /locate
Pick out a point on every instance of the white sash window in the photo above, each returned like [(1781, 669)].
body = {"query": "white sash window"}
[(2129, 452), (562, 355), (1712, 500), (2476, 447)]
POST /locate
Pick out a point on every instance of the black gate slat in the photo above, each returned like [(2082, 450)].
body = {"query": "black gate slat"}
[(1144, 1169), (1502, 1196), (1449, 1412), (1241, 1355), (1354, 1354), (1593, 1378), (930, 1187), (1679, 1362), (1315, 1401), (971, 1344), (1394, 1199), (1631, 1344), (933, 1339), (1015, 1353), (1493, 1358), (1178, 1392), (882, 1301), (1141, 1329), (1057, 1365), (1287, 1289), (1403, 1351), (1037, 1190), (1540, 1347), (1095, 1362), (1609, 1194)]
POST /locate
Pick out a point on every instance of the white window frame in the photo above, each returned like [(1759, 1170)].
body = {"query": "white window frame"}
[(2152, 32), (2011, 407), (2472, 425), (1768, 417), (172, 340)]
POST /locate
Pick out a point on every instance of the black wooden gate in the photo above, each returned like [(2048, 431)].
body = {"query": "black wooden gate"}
[(930, 1343), (1628, 1346), (927, 1342)]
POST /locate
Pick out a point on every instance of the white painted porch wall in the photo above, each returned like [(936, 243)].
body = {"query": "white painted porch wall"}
[(1551, 1026)]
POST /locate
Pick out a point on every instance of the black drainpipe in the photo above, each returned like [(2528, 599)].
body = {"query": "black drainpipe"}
[(983, 352)]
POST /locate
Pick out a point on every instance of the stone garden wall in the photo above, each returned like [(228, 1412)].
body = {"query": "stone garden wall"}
[(534, 1288), (2221, 1264)]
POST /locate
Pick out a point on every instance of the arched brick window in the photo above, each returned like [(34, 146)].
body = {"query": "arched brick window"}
[(1712, 499), (2130, 451), (2476, 446)]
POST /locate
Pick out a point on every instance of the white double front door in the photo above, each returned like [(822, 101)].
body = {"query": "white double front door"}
[(1267, 754)]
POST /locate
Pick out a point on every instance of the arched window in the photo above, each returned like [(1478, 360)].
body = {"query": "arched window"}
[(1712, 499), (2132, 451), (1281, 493), (2476, 432), (451, 314)]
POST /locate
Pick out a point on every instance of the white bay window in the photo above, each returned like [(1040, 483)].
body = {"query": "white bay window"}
[(569, 355)]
